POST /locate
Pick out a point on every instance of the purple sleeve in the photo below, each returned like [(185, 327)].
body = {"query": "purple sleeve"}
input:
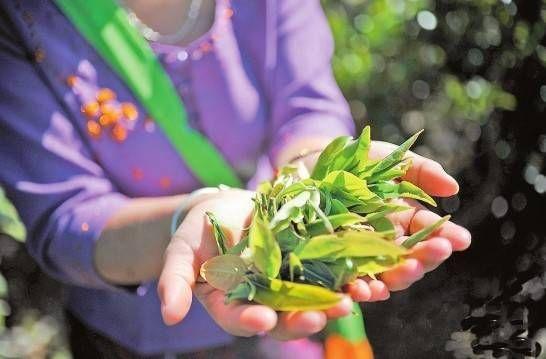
[(46, 169), (305, 99)]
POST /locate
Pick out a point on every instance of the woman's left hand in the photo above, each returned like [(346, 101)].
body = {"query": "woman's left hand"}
[(427, 255)]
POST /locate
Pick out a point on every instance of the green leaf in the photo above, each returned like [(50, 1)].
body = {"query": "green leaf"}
[(243, 291), (288, 296), (265, 249), (344, 270), (348, 182), (338, 207), (361, 153), (348, 244), (3, 286), (264, 188), (396, 156), (384, 226), (336, 221), (387, 190), (385, 210), (397, 171), (10, 223), (314, 202), (371, 266), (295, 267), (424, 233), (328, 156), (239, 247), (224, 272), (290, 211), (219, 235), (317, 272), (296, 188), (288, 239)]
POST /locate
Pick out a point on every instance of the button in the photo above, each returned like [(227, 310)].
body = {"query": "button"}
[(182, 55)]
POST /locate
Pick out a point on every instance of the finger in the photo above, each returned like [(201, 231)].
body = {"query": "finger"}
[(401, 220), (296, 325), (236, 318), (379, 290), (359, 290), (459, 237), (176, 281), (425, 173), (341, 309), (432, 252), (402, 276), (431, 177)]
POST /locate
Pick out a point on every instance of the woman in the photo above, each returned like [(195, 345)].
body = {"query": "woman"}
[(97, 181)]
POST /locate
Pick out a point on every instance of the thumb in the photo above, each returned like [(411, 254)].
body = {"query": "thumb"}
[(176, 281)]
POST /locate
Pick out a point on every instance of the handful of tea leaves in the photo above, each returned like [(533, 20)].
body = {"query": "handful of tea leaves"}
[(312, 234)]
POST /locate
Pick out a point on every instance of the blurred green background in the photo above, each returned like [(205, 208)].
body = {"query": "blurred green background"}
[(472, 73)]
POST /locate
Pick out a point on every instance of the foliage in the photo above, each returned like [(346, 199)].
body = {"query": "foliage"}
[(301, 248), (439, 65)]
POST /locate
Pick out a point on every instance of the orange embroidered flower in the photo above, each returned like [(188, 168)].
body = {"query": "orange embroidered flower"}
[(71, 80), (105, 94), (129, 111), (165, 182), (107, 120), (90, 109), (93, 128), (138, 174), (109, 109), (119, 133)]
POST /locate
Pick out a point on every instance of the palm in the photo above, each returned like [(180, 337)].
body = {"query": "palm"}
[(193, 244)]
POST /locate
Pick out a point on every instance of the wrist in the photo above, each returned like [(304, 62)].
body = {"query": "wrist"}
[(189, 201)]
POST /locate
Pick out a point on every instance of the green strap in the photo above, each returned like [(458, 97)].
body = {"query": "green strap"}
[(351, 327), (106, 27)]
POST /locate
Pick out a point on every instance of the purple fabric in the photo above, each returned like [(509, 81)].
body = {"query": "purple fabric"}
[(265, 82)]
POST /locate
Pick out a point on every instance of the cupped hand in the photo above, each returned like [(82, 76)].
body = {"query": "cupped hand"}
[(429, 254), (193, 244)]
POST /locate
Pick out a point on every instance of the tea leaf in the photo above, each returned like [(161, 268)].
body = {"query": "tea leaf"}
[(264, 188), (374, 265), (336, 221), (396, 156), (384, 226), (424, 233), (294, 266), (243, 291), (219, 235), (288, 296), (314, 202), (290, 210), (317, 272), (265, 249), (224, 272), (328, 156), (403, 189), (344, 270), (386, 210), (338, 207), (239, 247), (348, 244), (288, 239), (361, 153), (347, 182), (397, 171), (296, 188)]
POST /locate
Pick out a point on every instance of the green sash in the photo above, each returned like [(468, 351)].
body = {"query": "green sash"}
[(105, 25)]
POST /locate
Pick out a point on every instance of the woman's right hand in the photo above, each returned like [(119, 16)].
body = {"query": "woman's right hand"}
[(193, 244)]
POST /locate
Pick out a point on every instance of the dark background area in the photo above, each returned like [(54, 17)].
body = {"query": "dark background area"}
[(473, 74)]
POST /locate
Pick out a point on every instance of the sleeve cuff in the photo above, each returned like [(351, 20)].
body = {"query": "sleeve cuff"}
[(72, 249), (308, 126)]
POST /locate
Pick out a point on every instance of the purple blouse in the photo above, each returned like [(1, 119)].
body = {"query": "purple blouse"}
[(258, 79)]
